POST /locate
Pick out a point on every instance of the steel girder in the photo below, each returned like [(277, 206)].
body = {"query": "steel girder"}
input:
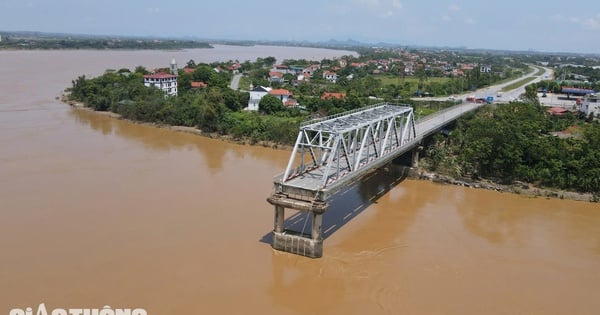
[(337, 146)]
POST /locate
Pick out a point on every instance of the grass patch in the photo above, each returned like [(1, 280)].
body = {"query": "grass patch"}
[(413, 81), (517, 84), (244, 83), (540, 71)]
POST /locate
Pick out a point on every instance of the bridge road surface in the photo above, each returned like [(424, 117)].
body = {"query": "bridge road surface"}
[(311, 181)]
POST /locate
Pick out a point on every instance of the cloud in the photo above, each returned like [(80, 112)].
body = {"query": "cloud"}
[(446, 18), (592, 23), (453, 8), (384, 8), (470, 21)]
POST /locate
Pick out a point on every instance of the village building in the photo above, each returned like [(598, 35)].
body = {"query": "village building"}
[(282, 94), (333, 95), (590, 104), (281, 68), (256, 94), (164, 81), (330, 76), (234, 68), (198, 85), (275, 77)]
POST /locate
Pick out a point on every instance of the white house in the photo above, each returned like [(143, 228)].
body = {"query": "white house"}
[(330, 76), (163, 81), (256, 94), (589, 105)]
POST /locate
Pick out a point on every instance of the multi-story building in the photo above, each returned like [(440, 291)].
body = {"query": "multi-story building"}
[(163, 81)]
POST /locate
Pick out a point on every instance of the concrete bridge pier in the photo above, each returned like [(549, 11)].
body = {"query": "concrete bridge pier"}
[(297, 242), (415, 156)]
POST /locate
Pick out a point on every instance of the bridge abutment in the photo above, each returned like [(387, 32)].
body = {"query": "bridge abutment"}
[(296, 242)]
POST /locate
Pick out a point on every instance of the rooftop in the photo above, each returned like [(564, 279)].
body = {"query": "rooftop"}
[(159, 76)]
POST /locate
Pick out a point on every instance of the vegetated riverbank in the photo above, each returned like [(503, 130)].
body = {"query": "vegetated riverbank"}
[(517, 187), (421, 173), (185, 129), (513, 147)]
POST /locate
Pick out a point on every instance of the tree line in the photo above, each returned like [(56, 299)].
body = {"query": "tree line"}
[(215, 109), (515, 142)]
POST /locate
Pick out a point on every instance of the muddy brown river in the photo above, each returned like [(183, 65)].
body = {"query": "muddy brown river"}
[(97, 211)]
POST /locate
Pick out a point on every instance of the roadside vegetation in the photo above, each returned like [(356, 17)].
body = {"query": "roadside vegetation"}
[(516, 142)]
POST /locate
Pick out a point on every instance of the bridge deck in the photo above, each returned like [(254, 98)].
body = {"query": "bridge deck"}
[(309, 185)]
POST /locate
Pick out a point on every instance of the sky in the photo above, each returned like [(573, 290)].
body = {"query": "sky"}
[(549, 25)]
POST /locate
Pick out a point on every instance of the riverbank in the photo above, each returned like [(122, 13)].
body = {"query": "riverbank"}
[(184, 129), (518, 188)]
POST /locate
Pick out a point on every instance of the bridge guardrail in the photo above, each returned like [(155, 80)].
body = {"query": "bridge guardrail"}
[(316, 120)]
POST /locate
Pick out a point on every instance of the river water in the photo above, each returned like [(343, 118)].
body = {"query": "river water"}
[(97, 211)]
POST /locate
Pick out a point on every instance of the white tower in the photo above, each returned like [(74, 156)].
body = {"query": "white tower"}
[(173, 67)]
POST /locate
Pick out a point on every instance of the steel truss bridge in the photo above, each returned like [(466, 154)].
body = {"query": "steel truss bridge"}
[(332, 152)]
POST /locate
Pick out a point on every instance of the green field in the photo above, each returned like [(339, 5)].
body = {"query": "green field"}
[(244, 83), (413, 81)]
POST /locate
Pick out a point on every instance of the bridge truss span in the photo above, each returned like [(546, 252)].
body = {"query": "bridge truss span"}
[(332, 152), (330, 149)]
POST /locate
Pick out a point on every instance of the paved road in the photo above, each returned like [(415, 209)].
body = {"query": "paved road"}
[(235, 81), (494, 89)]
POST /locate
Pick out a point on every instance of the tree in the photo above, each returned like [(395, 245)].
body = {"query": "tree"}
[(269, 61), (530, 95), (202, 73), (270, 104), (141, 69)]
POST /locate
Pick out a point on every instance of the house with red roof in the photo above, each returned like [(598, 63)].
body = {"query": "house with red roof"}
[(235, 68), (311, 69), (282, 94), (198, 84), (275, 76), (281, 68), (291, 103), (330, 95), (557, 111)]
